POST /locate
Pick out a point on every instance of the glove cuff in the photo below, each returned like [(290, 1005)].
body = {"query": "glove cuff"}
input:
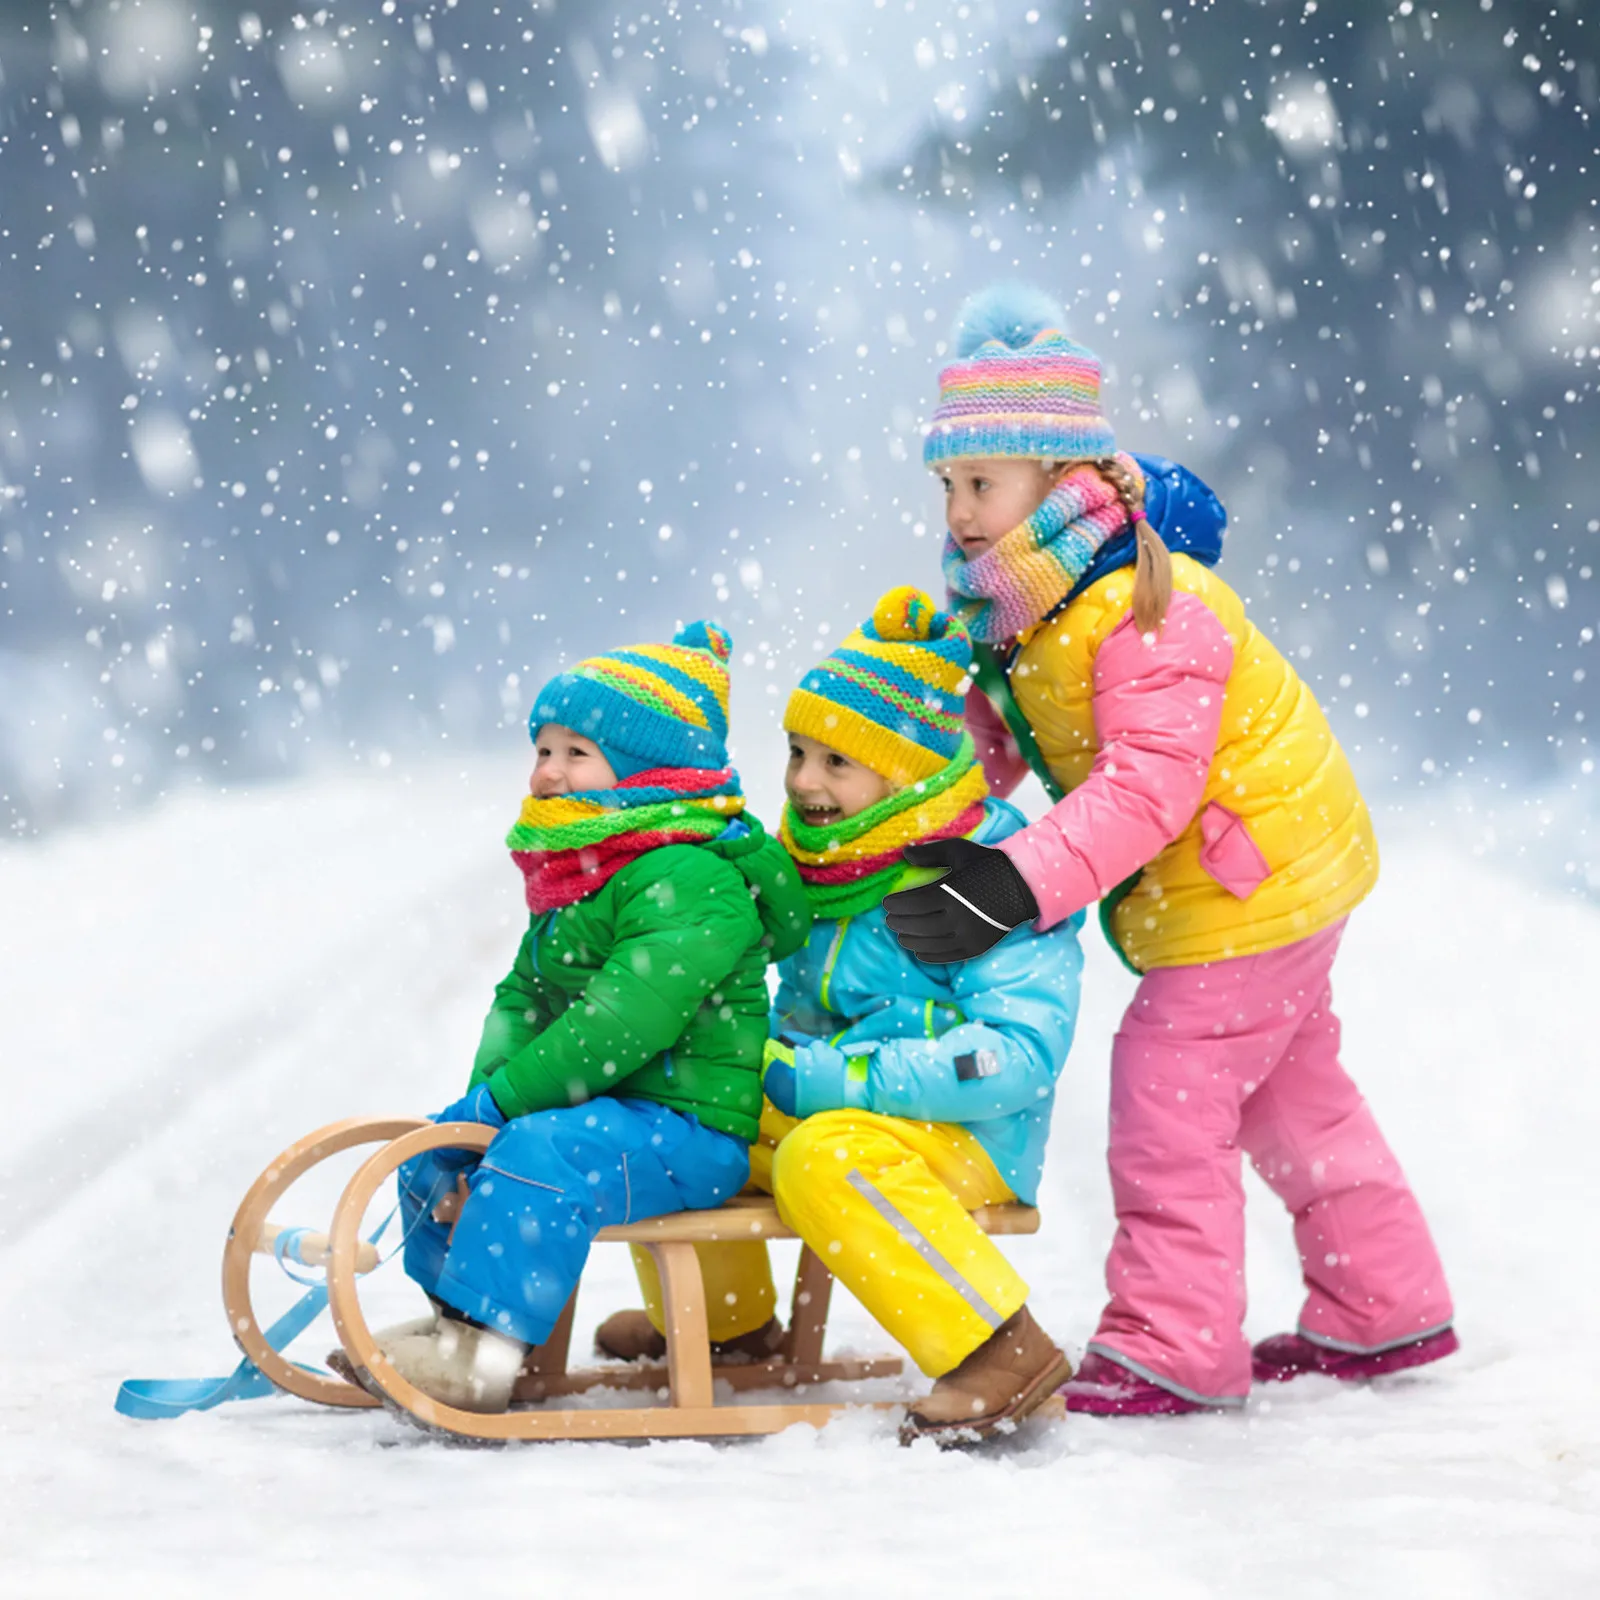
[(824, 1081), (499, 1091)]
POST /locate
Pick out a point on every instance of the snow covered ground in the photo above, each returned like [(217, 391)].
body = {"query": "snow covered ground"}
[(183, 994)]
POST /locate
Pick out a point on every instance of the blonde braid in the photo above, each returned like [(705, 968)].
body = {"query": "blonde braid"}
[(1152, 574)]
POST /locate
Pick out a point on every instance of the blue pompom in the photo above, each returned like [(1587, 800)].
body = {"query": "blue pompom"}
[(1013, 313), (706, 636)]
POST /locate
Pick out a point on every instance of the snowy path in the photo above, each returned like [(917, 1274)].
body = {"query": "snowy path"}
[(182, 995)]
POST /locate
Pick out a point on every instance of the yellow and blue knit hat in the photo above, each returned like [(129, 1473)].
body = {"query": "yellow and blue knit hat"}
[(891, 695), (648, 705), (1018, 386)]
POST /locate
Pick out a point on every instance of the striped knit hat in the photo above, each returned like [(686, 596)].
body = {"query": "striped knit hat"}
[(891, 695), (1018, 386), (648, 705)]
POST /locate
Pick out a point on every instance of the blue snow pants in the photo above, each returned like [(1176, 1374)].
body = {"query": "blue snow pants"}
[(546, 1186)]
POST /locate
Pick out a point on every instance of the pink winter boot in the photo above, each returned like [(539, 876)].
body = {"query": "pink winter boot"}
[(1101, 1388), (1286, 1356)]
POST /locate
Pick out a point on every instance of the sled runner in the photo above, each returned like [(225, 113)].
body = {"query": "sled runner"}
[(687, 1377)]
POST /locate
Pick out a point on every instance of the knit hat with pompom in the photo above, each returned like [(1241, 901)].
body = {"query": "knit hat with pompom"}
[(648, 705), (891, 695), (1018, 386)]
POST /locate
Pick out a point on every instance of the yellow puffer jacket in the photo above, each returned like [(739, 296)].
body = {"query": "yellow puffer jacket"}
[(1280, 844)]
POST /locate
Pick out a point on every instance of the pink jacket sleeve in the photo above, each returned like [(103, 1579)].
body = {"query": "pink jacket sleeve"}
[(1002, 762), (1157, 712)]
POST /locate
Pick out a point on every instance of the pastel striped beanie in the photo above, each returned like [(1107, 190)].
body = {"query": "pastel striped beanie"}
[(1018, 386), (648, 705), (891, 696)]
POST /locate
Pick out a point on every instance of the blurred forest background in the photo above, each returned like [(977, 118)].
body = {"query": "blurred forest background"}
[(361, 363)]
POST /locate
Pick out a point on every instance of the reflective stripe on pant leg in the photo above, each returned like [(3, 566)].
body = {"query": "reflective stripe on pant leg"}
[(919, 1242), (931, 1175), (1139, 1370), (1347, 1349)]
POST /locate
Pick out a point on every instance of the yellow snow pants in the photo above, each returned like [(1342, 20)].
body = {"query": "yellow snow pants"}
[(883, 1201)]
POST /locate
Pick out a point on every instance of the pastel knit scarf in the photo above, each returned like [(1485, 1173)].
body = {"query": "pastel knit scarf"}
[(569, 845), (847, 867), (1020, 579)]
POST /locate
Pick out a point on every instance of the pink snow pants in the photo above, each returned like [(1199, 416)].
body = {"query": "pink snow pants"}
[(1246, 1053)]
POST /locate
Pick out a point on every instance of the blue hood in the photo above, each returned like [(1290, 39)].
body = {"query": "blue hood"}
[(1180, 507)]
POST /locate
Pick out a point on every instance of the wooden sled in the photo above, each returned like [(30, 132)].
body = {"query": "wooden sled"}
[(688, 1375)]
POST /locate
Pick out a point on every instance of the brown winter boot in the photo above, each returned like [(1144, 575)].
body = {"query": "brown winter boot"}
[(1005, 1378), (629, 1336)]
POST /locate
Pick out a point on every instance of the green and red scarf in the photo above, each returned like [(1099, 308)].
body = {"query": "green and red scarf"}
[(569, 845)]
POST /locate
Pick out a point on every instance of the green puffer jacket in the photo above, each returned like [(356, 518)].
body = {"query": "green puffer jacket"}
[(653, 986)]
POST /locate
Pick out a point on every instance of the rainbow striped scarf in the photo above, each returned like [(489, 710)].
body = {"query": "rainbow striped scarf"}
[(848, 867), (1019, 580), (571, 844)]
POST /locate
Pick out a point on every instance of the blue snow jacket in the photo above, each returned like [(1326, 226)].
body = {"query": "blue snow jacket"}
[(979, 1043)]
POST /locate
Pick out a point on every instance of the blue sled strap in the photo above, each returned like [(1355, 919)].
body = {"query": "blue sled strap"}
[(152, 1399)]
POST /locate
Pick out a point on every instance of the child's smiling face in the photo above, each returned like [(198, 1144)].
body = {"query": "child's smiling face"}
[(985, 500), (825, 786), (567, 764)]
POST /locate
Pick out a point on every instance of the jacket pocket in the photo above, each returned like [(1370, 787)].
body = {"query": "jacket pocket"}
[(1229, 854)]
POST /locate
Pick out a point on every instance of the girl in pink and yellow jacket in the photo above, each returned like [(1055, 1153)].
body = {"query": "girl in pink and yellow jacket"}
[(1202, 799)]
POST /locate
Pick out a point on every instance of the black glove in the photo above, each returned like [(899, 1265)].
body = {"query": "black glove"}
[(978, 901)]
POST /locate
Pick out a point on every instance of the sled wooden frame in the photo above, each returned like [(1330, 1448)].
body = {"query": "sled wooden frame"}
[(688, 1375)]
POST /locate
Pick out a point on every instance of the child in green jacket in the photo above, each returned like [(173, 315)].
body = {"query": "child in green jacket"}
[(621, 1059)]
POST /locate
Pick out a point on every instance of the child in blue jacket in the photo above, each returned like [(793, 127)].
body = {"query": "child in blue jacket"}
[(902, 1095)]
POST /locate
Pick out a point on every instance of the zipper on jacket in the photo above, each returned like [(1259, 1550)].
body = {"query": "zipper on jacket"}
[(829, 962), (541, 924)]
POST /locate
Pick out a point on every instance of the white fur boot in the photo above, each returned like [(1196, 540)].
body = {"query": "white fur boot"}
[(458, 1364), (384, 1337)]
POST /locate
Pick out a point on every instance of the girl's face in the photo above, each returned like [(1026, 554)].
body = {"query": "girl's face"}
[(985, 500), (568, 764), (825, 786)]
